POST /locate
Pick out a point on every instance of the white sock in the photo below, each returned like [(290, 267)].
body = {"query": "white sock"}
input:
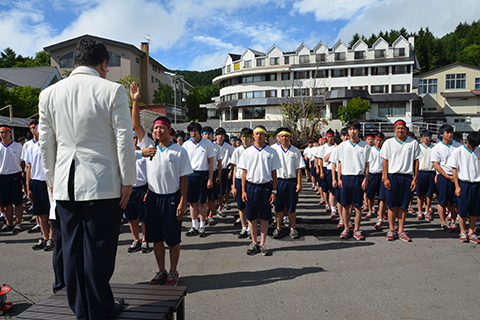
[(245, 228), (285, 217), (248, 229), (195, 224), (202, 224), (334, 209)]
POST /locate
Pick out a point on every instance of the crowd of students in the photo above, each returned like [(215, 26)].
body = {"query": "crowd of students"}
[(204, 169)]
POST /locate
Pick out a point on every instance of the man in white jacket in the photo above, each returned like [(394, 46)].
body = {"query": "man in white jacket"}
[(89, 160)]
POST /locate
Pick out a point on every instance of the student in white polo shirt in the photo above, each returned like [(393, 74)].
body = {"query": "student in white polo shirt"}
[(202, 156), (445, 186), (306, 155), (325, 173), (426, 178), (212, 194), (352, 158), (465, 164), (247, 140), (289, 182), (227, 152), (400, 156), (11, 168), (259, 187), (375, 185)]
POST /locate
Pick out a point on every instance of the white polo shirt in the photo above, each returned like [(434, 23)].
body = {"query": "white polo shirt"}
[(306, 152), (290, 160), (227, 152), (10, 158), (218, 156), (259, 163), (34, 158), (25, 148), (326, 149), (166, 167), (375, 163), (235, 160), (441, 153), (466, 162), (199, 153), (424, 163), (353, 157), (312, 153), (400, 155)]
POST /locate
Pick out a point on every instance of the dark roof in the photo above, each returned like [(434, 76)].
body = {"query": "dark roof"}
[(17, 122), (459, 94), (347, 94), (448, 66), (257, 53), (374, 98), (37, 77), (396, 97), (235, 57), (261, 102)]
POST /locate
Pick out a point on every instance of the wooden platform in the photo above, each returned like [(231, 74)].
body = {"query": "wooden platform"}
[(142, 301)]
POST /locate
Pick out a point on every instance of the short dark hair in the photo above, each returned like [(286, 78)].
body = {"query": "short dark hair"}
[(280, 129), (34, 122), (380, 135), (194, 126), (344, 131), (426, 133), (353, 123), (90, 52), (207, 129), (457, 136), (337, 140), (220, 130), (446, 127), (246, 131), (165, 119), (181, 134), (473, 139)]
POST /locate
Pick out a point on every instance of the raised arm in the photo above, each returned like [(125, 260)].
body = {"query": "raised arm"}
[(135, 94)]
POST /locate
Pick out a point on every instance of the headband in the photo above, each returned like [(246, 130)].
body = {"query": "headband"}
[(6, 128), (245, 135), (207, 132), (134, 134), (259, 130), (400, 122), (329, 134), (378, 138), (323, 139), (32, 125), (284, 132), (36, 127), (369, 136), (165, 123)]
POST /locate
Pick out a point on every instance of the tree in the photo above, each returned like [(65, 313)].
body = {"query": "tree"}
[(164, 94), (355, 109), (24, 100), (470, 55), (126, 82), (354, 40)]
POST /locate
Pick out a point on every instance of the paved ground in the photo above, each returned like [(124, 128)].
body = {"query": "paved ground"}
[(315, 277)]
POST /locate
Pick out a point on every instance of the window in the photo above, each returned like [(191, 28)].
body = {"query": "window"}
[(461, 120), (274, 61), (231, 114), (260, 62), (358, 72), (247, 79), (391, 109), (301, 74), (320, 74), (477, 83), (259, 78), (339, 56), (337, 73), (236, 66), (319, 91), (379, 89), (400, 69), (114, 60), (67, 61), (228, 68), (358, 88), (286, 76), (380, 53), (286, 60), (247, 64), (254, 113), (304, 58), (427, 86), (249, 95), (301, 92), (359, 55), (379, 71), (259, 94), (399, 52), (456, 81), (400, 88), (153, 79), (285, 92), (156, 80), (270, 93), (273, 77), (137, 60), (154, 68), (320, 57), (432, 85)]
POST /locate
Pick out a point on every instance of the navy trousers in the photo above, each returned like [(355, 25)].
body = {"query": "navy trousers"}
[(57, 259)]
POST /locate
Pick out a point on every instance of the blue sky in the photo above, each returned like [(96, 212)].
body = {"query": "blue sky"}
[(198, 34)]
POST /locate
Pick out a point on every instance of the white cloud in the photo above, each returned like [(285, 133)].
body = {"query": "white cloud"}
[(214, 42), (327, 10)]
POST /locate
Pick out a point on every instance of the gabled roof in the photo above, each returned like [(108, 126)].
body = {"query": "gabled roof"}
[(301, 46), (378, 41), (257, 53), (273, 48), (459, 64), (400, 38), (37, 77), (338, 44), (319, 45), (235, 57), (358, 43)]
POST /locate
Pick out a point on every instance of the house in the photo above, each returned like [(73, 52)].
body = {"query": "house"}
[(37, 77)]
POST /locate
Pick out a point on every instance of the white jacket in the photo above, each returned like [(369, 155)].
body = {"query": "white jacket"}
[(86, 119)]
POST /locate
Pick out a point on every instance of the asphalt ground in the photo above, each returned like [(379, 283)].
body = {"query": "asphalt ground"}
[(317, 276)]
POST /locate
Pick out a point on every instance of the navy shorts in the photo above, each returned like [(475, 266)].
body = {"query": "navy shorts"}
[(351, 192), (212, 194), (136, 205), (323, 182), (307, 164), (41, 202), (238, 186), (161, 223), (258, 205), (399, 194), (224, 183), (313, 170), (11, 189), (446, 192), (426, 183), (287, 197), (376, 187), (328, 179), (469, 200), (197, 187)]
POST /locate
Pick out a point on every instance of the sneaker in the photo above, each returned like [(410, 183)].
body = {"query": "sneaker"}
[(378, 225), (286, 222), (136, 246), (453, 227), (391, 235), (420, 216), (172, 279), (322, 202), (368, 216), (265, 251), (463, 237), (220, 214), (237, 222), (2, 219), (428, 216), (35, 229), (253, 249), (202, 233), (243, 234), (17, 228), (210, 221), (145, 247), (410, 210), (160, 276), (445, 226), (33, 219), (358, 235), (404, 237), (340, 225), (473, 238), (40, 245), (294, 234), (345, 234), (430, 210), (192, 232), (277, 233), (350, 225), (364, 209), (6, 228), (327, 208), (50, 245), (333, 215)]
